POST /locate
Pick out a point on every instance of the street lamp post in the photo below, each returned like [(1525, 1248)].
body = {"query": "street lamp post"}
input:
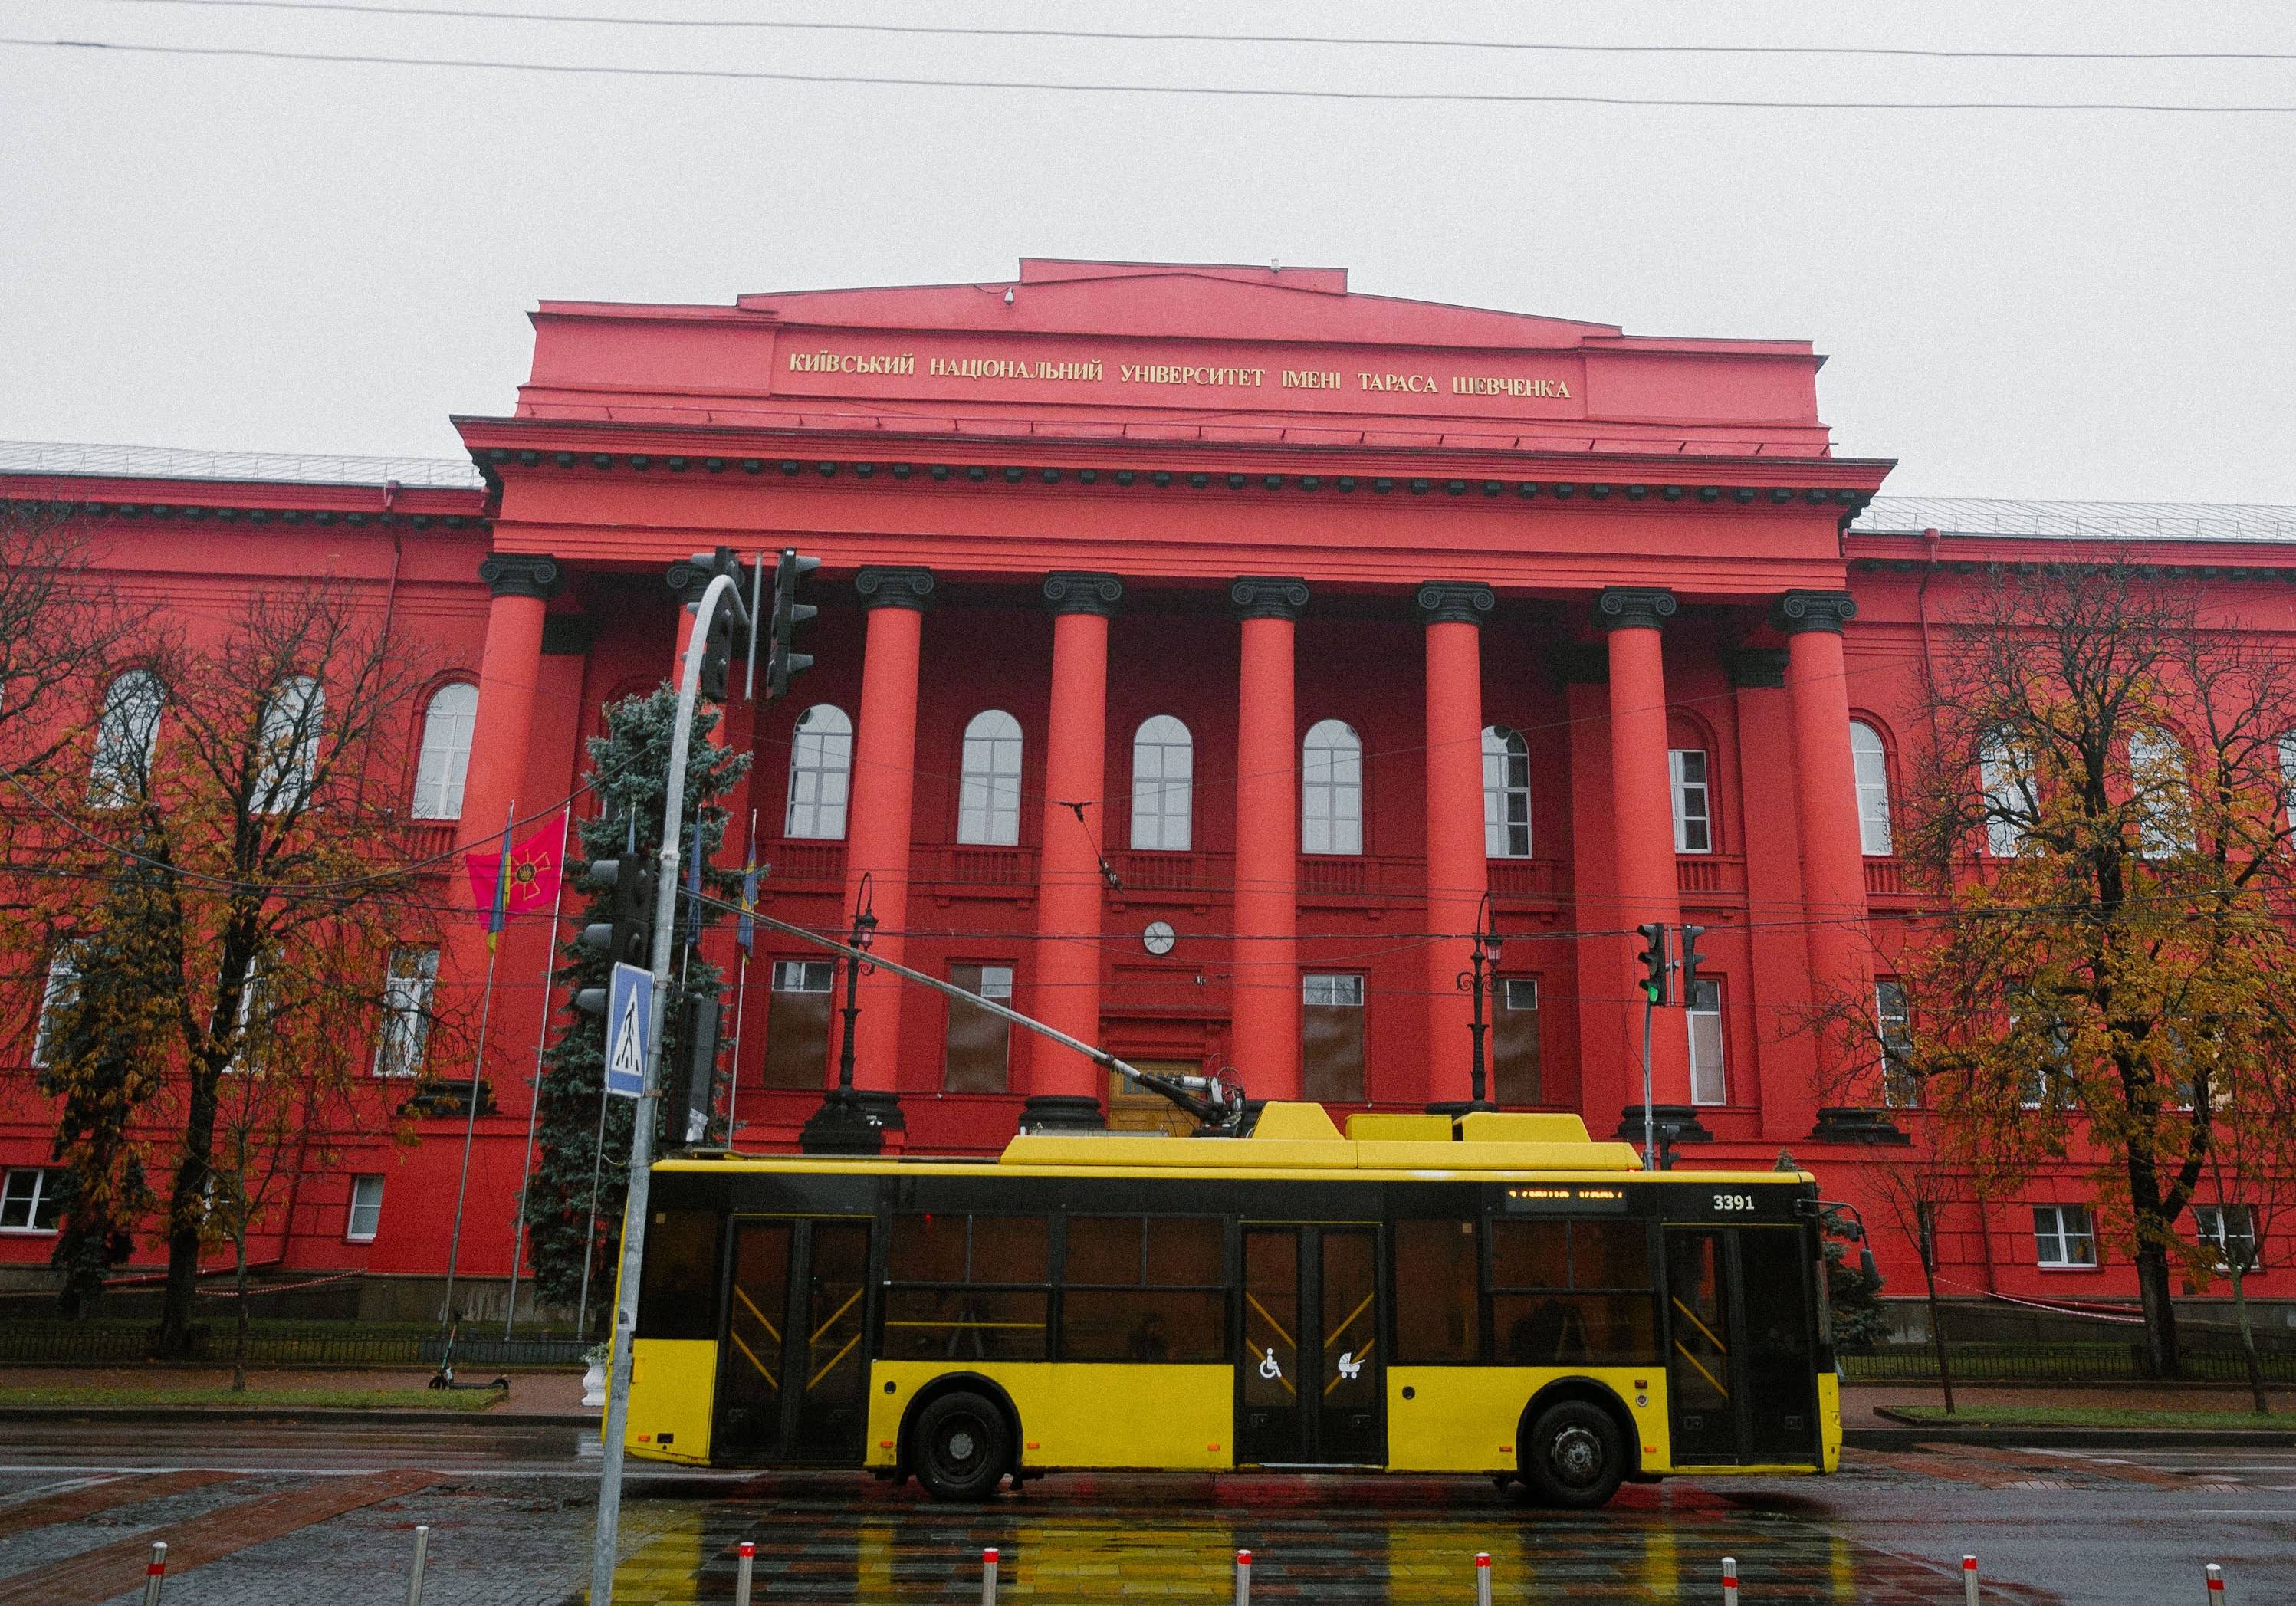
[(850, 1120), (1477, 978)]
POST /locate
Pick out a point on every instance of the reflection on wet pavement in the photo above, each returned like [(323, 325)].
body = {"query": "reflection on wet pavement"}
[(1311, 1539)]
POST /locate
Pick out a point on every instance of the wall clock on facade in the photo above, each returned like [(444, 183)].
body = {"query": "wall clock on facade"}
[(1158, 937)]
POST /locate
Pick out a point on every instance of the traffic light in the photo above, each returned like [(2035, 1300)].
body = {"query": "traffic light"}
[(1691, 960), (626, 935), (1654, 958), (700, 1064), (729, 624), (789, 613)]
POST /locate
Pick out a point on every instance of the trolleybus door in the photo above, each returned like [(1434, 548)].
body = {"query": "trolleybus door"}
[(1310, 1389), (1741, 1360), (793, 1369)]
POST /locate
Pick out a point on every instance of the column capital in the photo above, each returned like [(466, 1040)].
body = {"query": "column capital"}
[(1070, 591), (1757, 667), (688, 580), (1455, 602), (1632, 608), (1800, 610), (1261, 598), (527, 573), (894, 587)]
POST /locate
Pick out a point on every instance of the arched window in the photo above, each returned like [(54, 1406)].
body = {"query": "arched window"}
[(1506, 794), (1871, 760), (2162, 792), (821, 773), (290, 745), (446, 726), (1163, 785), (126, 738), (1331, 789), (989, 799)]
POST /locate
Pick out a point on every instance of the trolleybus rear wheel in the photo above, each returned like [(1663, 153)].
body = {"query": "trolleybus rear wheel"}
[(962, 1448), (1574, 1457)]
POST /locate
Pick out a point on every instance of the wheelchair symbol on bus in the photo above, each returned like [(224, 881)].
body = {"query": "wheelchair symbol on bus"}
[(1268, 1369)]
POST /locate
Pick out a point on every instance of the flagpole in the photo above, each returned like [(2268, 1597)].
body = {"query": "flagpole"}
[(479, 1059), (534, 1097), (741, 979)]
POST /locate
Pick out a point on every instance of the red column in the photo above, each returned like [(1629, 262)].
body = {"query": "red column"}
[(1833, 860), (1263, 1034), (877, 830), (1064, 1086), (1458, 866), (1641, 813)]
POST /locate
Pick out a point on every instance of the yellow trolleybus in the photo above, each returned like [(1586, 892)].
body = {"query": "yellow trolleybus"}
[(1491, 1293)]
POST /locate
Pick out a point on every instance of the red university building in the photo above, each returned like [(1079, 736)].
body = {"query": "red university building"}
[(1198, 649)]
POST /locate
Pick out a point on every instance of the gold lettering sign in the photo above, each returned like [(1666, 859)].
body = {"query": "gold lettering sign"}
[(1095, 370)]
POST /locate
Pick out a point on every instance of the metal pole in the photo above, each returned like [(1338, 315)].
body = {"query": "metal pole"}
[(741, 1576), (598, 1154), (1969, 1580), (1729, 1581), (741, 993), (1482, 1577), (155, 1573), (606, 1542), (478, 1064), (422, 1551), (2216, 1585), (1650, 1117), (1244, 1578), (989, 1577), (534, 1097)]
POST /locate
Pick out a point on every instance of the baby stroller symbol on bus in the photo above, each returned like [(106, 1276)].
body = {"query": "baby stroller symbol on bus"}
[(1350, 1365)]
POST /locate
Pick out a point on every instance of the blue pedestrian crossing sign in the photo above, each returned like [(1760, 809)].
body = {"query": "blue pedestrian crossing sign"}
[(629, 1013)]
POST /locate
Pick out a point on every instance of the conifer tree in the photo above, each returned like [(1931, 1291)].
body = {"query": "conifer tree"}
[(629, 767)]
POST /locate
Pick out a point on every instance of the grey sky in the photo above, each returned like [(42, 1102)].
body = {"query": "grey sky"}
[(295, 257)]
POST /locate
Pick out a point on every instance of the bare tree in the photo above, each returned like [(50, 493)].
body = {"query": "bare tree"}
[(273, 897), (2104, 826)]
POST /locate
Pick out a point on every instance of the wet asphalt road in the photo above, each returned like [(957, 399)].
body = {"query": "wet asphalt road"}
[(510, 1503)]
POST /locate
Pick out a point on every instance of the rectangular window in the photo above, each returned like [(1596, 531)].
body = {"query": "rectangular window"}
[(977, 1046), (61, 990), (1515, 1075), (1694, 820), (1704, 1020), (949, 1288), (796, 1023), (1437, 1314), (405, 1035), (1332, 1028), (2064, 1236), (1571, 1293), (2006, 780), (366, 1209), (1143, 1289), (678, 1294), (1901, 1089), (28, 1201), (2231, 1230)]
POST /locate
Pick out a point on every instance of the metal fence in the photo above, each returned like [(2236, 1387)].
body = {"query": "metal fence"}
[(2071, 1363), (58, 1343)]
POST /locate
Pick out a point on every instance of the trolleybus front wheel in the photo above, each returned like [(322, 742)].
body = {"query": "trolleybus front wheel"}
[(960, 1447), (1574, 1457)]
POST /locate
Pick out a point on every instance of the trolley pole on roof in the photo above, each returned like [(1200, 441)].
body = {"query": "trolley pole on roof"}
[(723, 591)]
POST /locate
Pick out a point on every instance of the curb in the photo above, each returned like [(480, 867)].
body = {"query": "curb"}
[(287, 1413), (2070, 1438)]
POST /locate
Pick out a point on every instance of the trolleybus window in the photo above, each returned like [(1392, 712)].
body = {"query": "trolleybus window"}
[(1436, 1314), (677, 1297), (1572, 1293), (943, 1299), (1143, 1289)]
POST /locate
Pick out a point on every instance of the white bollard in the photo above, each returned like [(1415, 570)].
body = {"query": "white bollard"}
[(422, 1551), (2216, 1585), (156, 1573), (989, 1577), (748, 1554), (1969, 1580), (1729, 1581), (1482, 1577), (1244, 1578)]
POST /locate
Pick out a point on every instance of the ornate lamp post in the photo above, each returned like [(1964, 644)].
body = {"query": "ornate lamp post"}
[(1481, 971), (850, 1120)]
